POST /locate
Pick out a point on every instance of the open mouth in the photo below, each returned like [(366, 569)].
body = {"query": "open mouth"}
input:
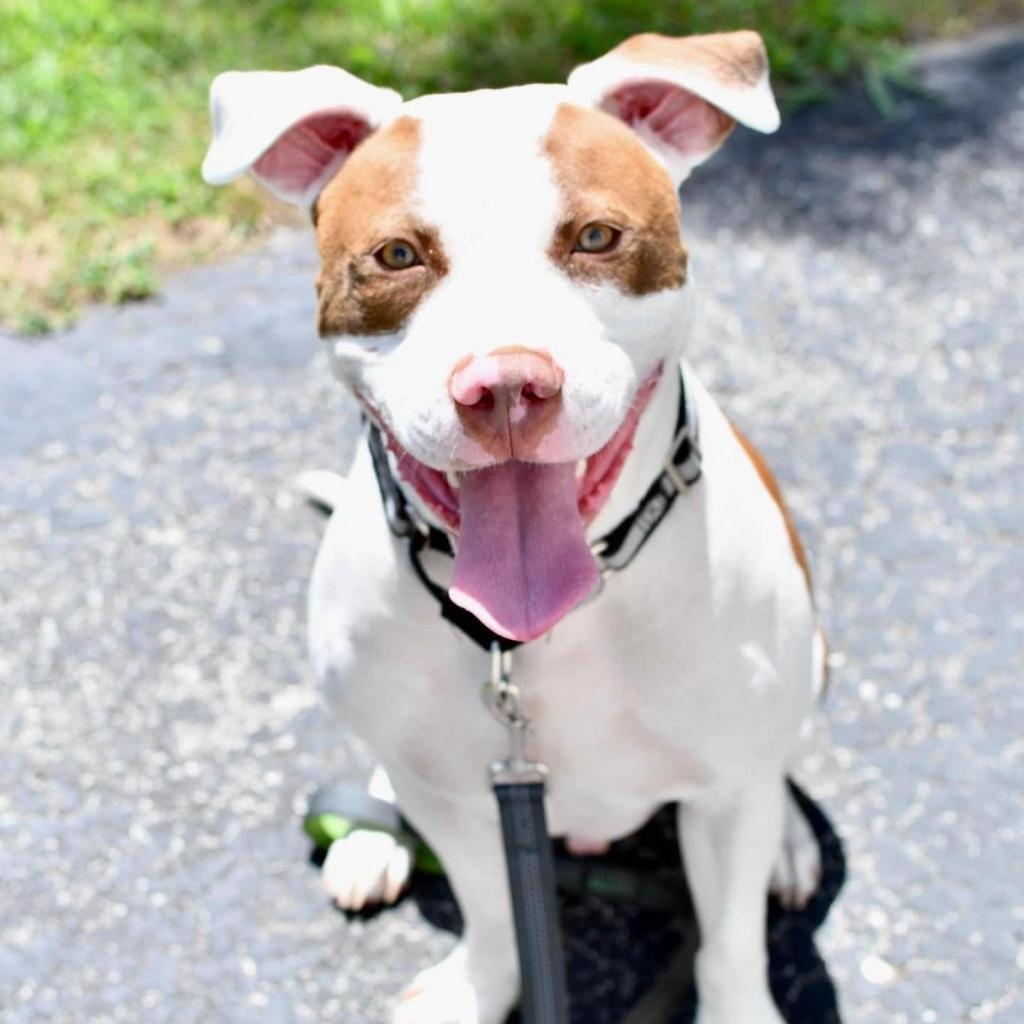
[(595, 475), (522, 560)]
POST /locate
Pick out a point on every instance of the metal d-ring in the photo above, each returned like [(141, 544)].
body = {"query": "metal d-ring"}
[(500, 694)]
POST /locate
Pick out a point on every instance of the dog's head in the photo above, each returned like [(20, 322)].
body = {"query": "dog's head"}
[(502, 276)]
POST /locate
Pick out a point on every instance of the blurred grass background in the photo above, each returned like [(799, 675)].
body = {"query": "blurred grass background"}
[(103, 118)]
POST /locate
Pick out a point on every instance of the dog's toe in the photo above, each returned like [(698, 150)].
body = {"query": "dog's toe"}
[(366, 868)]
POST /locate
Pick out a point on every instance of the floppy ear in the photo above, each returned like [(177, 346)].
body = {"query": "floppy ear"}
[(291, 129), (682, 96)]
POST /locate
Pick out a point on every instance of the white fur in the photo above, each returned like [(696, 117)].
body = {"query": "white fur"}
[(688, 678)]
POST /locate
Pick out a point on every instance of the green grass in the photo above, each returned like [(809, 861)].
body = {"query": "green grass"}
[(103, 104)]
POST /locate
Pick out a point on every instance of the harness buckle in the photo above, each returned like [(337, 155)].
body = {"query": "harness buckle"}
[(687, 472)]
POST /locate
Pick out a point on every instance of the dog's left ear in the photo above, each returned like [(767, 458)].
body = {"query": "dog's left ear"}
[(292, 130), (682, 96)]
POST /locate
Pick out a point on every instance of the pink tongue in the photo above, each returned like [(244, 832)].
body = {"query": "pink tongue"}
[(523, 562)]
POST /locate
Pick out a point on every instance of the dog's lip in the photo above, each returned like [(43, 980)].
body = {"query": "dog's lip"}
[(596, 474)]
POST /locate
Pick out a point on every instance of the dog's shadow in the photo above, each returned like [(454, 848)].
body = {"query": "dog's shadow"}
[(626, 961)]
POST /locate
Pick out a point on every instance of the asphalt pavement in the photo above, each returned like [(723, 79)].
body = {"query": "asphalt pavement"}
[(159, 729)]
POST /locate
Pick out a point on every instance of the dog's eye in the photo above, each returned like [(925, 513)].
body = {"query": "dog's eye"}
[(398, 254), (597, 237)]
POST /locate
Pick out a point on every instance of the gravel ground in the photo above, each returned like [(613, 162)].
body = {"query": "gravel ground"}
[(863, 320)]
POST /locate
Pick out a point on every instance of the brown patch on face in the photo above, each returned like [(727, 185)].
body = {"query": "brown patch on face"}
[(735, 59), (606, 174), (370, 201), (772, 485)]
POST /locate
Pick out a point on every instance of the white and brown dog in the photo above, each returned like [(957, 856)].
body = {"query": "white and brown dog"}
[(505, 289)]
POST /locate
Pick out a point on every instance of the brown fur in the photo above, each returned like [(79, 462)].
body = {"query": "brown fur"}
[(369, 201), (606, 174), (735, 59), (772, 485)]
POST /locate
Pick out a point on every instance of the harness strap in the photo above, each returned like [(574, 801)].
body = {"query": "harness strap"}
[(461, 619), (422, 536), (682, 470)]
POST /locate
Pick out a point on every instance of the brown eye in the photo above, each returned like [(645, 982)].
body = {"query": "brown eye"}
[(597, 237), (398, 254)]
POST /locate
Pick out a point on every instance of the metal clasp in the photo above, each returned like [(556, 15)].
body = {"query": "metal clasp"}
[(687, 472), (503, 700)]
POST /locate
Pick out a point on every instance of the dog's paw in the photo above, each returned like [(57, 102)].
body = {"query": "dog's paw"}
[(444, 994), (797, 871), (366, 868)]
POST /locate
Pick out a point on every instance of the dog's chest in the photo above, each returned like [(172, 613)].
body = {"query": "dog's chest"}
[(610, 764), (616, 747)]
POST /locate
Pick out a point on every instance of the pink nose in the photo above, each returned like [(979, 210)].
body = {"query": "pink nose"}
[(507, 400)]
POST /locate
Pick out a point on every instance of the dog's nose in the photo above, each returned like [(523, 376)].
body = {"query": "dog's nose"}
[(507, 399), (506, 377)]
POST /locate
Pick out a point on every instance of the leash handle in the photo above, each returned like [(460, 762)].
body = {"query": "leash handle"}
[(531, 877)]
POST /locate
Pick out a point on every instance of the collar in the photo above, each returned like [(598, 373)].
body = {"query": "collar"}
[(614, 551)]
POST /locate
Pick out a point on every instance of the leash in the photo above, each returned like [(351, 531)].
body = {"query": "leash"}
[(518, 784)]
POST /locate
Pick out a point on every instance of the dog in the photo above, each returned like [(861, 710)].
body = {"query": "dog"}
[(505, 289)]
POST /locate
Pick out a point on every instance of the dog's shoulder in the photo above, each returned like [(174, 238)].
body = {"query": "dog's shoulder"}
[(771, 485), (746, 497), (357, 569)]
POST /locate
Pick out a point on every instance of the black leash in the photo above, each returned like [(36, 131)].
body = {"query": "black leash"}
[(531, 878), (518, 784)]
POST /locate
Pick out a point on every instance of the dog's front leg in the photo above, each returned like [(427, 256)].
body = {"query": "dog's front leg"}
[(478, 982), (729, 849)]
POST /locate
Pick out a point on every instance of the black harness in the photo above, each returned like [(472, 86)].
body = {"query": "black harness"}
[(614, 551)]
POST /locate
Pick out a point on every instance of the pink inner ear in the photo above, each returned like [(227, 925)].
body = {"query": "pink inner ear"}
[(683, 121), (303, 155)]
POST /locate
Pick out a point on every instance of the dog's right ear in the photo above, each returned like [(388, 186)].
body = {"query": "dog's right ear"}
[(291, 129)]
